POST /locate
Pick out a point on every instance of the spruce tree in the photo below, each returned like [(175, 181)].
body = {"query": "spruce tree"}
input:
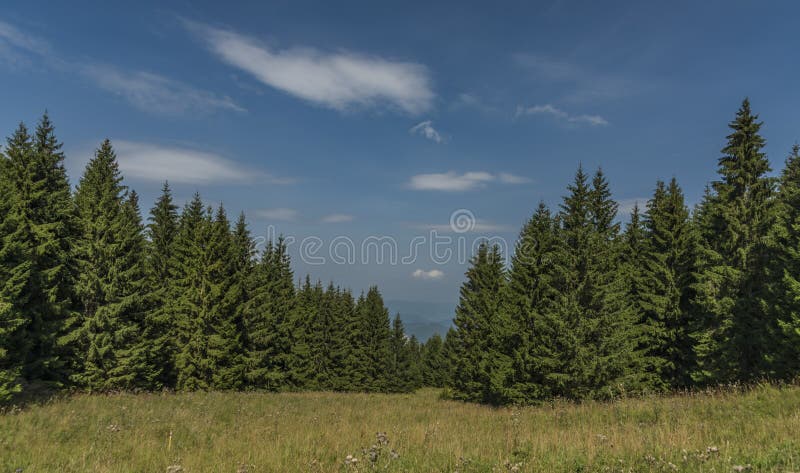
[(483, 366), (739, 336), (37, 229), (669, 267), (542, 340), (375, 334), (401, 369), (209, 345), (161, 264), (785, 268), (15, 265), (111, 280), (434, 364)]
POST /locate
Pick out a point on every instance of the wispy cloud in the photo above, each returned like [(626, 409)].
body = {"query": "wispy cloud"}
[(147, 91), (11, 36), (592, 120), (427, 130), (282, 214), (154, 162), (453, 182), (338, 218), (154, 93), (427, 275), (508, 178), (340, 80), (584, 85)]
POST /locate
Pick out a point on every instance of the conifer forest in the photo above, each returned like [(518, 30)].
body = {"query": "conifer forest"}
[(102, 293)]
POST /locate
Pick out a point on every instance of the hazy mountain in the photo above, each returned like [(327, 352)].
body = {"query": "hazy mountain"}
[(423, 319)]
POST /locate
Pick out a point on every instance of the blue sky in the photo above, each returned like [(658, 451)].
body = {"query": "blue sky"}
[(328, 119)]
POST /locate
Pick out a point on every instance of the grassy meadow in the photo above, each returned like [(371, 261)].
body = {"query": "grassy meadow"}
[(758, 430)]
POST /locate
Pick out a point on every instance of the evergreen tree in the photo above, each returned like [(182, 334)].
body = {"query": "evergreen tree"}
[(161, 264), (111, 281), (785, 267), (669, 268), (375, 334), (595, 299), (209, 346), (739, 336), (483, 366), (401, 369), (15, 267), (542, 340), (37, 228), (434, 364)]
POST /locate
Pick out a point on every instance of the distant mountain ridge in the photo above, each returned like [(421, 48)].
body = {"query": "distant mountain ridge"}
[(423, 319)]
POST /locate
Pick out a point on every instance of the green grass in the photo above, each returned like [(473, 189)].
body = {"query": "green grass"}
[(259, 432)]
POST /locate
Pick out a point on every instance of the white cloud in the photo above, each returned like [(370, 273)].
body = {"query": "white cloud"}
[(155, 162), (341, 80), (592, 120), (154, 93), (283, 214), (454, 182), (427, 275), (427, 130), (338, 218)]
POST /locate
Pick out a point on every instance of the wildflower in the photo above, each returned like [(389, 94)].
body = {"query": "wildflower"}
[(740, 468), (712, 450), (350, 460), (174, 469)]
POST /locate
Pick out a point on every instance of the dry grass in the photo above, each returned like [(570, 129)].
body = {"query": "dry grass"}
[(254, 432)]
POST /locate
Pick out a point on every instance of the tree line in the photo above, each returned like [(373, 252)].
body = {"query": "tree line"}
[(676, 299), (93, 298)]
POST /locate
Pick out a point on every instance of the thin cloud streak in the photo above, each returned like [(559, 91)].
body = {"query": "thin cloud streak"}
[(454, 182), (156, 94), (341, 80), (427, 275), (338, 218), (282, 214), (547, 109), (153, 162)]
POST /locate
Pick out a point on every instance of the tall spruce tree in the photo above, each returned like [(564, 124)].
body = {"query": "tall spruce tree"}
[(595, 299), (401, 367), (375, 334), (483, 366), (209, 345), (161, 263), (37, 229), (739, 337), (635, 247), (542, 340), (785, 268), (15, 267), (111, 281), (669, 269)]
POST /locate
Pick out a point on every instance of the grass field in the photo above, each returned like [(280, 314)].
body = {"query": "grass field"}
[(253, 432)]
